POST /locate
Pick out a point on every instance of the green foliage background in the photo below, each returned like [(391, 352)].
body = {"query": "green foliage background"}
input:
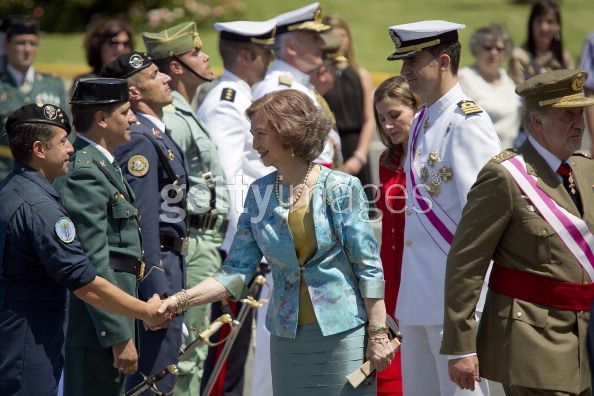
[(369, 21)]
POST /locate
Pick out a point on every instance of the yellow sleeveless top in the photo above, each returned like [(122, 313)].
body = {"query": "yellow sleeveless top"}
[(306, 245)]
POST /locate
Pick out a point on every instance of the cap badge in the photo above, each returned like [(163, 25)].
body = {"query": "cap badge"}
[(318, 15), (50, 112), (65, 230), (578, 84), (136, 61), (395, 39)]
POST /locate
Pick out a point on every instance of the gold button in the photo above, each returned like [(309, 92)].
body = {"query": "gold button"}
[(103, 333), (408, 242), (544, 232), (519, 314)]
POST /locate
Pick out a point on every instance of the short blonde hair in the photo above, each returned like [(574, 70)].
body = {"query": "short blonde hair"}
[(302, 126)]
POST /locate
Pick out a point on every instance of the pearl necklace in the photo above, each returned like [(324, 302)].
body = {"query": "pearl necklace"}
[(297, 196)]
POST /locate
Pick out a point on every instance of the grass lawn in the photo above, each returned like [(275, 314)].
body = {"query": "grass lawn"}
[(369, 21)]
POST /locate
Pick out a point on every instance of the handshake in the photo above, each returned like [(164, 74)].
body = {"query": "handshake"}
[(159, 313)]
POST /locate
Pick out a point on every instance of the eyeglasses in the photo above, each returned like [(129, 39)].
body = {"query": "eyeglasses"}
[(490, 48), (114, 42)]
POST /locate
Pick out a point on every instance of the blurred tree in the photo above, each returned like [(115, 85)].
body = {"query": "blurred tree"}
[(74, 15)]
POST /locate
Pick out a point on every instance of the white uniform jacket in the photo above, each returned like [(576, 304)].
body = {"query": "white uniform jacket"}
[(223, 114), (452, 146)]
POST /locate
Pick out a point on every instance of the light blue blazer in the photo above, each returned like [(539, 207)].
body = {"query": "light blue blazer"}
[(345, 269)]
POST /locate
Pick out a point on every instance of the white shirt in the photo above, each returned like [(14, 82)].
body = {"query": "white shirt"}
[(549, 157), (500, 101), (156, 122), (229, 128), (463, 144), (19, 77), (101, 149)]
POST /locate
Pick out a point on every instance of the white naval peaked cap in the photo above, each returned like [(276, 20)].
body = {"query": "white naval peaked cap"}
[(411, 38), (304, 18), (261, 33)]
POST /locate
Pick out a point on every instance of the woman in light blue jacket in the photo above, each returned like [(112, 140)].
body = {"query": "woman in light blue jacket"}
[(311, 224)]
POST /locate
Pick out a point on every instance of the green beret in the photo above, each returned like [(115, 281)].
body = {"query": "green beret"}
[(177, 40), (558, 88)]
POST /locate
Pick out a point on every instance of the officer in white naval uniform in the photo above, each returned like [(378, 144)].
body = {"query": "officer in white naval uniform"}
[(450, 141), (245, 50), (298, 53)]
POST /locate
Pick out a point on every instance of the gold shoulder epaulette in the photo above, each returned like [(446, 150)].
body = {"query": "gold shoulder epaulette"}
[(468, 107), (505, 154), (582, 154), (228, 94), (285, 79)]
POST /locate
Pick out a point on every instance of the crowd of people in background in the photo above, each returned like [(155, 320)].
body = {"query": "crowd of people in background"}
[(189, 202)]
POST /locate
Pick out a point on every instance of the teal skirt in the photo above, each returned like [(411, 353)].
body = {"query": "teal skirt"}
[(311, 364)]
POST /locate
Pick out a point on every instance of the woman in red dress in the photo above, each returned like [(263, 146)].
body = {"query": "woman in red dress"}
[(394, 107)]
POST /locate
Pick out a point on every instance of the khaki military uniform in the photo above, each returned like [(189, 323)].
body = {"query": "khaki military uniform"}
[(518, 343)]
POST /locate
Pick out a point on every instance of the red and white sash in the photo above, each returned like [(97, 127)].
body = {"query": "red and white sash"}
[(436, 222), (572, 230)]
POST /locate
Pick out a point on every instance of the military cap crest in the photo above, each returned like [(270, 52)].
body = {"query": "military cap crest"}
[(126, 65), (557, 88), (304, 18), (38, 114), (410, 38)]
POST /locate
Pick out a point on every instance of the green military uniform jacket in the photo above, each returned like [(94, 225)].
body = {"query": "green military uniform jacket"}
[(102, 210), (45, 89), (518, 343), (201, 155)]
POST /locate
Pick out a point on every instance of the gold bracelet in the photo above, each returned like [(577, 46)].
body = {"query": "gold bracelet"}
[(377, 328), (182, 299)]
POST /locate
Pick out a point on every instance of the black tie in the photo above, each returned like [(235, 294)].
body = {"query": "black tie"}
[(567, 175)]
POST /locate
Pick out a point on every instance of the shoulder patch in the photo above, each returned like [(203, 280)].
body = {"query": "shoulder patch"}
[(228, 94), (65, 230), (285, 79), (468, 107), (138, 165), (504, 155), (582, 154)]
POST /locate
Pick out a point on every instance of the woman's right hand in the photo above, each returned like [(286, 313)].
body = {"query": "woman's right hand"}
[(379, 351)]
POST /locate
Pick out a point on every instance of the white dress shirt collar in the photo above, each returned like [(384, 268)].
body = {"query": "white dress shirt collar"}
[(549, 157), (101, 149), (156, 122), (19, 77)]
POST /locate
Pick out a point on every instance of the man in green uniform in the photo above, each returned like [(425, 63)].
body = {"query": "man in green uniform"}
[(20, 83), (100, 347), (178, 53), (531, 211)]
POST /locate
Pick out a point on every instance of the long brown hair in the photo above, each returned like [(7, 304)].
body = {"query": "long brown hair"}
[(393, 88)]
